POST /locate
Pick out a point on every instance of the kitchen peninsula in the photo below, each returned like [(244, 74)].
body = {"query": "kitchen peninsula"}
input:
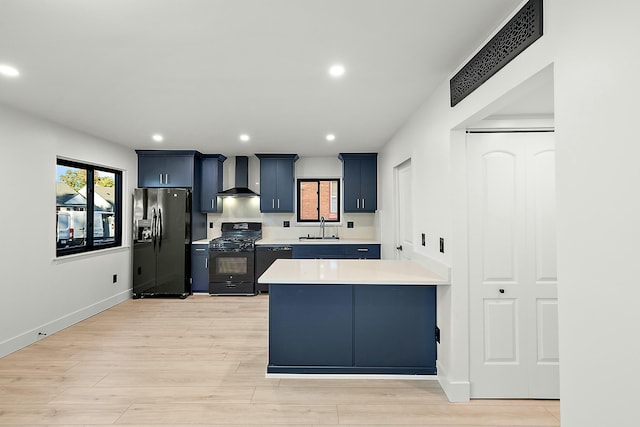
[(344, 316)]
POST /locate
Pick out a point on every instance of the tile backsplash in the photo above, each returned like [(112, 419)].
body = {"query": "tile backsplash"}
[(248, 209)]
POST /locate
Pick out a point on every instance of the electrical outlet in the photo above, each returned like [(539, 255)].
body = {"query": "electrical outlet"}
[(286, 224), (349, 224), (442, 245), (210, 225), (115, 278), (437, 335), (424, 243)]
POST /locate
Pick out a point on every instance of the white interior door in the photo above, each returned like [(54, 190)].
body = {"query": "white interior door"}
[(404, 224), (512, 265)]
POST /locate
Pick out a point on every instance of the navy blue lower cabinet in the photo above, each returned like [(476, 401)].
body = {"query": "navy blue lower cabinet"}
[(394, 327), (310, 325), (200, 268), (367, 329)]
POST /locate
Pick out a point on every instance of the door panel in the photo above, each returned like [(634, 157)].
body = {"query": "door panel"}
[(543, 182), (512, 266), (501, 331), (547, 331), (499, 214)]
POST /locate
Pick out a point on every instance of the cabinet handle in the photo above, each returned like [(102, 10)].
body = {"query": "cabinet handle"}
[(206, 263), (278, 203), (211, 203), (273, 203), (160, 178), (363, 203), (166, 178), (358, 203), (363, 249)]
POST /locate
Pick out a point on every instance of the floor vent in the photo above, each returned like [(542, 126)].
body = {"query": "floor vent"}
[(516, 35)]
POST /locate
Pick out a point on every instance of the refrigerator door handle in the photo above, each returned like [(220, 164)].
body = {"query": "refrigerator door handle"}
[(153, 228), (159, 227)]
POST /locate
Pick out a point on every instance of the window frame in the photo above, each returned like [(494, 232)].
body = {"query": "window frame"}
[(90, 245), (299, 199)]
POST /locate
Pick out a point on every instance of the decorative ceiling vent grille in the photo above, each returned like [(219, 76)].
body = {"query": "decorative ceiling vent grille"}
[(517, 35)]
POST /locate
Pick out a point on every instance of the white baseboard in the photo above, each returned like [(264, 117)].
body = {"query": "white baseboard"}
[(352, 376), (456, 391), (27, 338)]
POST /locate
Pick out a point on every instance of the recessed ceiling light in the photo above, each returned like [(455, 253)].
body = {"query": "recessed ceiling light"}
[(9, 71), (336, 70), (157, 137), (244, 137), (331, 137)]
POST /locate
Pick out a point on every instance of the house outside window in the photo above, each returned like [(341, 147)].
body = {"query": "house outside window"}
[(318, 198), (88, 207)]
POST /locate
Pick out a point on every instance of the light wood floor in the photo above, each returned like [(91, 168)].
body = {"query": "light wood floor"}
[(201, 361)]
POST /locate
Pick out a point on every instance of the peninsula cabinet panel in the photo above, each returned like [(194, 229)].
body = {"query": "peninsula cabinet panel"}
[(360, 176), (310, 325), (394, 326), (352, 329)]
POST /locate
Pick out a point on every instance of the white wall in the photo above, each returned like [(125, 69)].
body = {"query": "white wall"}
[(40, 293), (590, 50), (598, 180)]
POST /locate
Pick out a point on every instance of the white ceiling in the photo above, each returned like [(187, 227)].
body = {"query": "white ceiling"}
[(203, 71)]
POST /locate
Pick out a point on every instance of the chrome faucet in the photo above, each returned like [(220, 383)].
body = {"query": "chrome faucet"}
[(322, 226)]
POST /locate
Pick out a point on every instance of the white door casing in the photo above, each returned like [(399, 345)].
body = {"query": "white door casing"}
[(512, 265), (404, 224)]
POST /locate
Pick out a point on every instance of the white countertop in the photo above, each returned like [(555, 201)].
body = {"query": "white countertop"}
[(201, 242), (295, 241), (350, 271)]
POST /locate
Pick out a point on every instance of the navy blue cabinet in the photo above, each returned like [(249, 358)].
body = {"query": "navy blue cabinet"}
[(277, 182), (337, 328), (311, 325), (336, 251), (200, 267), (212, 168), (393, 328), (360, 176), (164, 168)]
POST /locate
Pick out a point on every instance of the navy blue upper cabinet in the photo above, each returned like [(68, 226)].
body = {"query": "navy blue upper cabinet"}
[(212, 165), (166, 168), (360, 176), (277, 182)]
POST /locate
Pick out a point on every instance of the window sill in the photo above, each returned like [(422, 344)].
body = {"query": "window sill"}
[(90, 254)]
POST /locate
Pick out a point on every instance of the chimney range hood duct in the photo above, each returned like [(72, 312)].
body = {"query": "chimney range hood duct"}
[(241, 188)]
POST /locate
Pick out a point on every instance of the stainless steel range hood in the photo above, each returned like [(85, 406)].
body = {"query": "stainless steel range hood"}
[(241, 188)]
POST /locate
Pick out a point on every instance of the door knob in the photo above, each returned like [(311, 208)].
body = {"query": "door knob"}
[(501, 291), (399, 247)]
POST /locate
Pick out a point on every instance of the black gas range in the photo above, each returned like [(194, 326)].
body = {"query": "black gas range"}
[(232, 259)]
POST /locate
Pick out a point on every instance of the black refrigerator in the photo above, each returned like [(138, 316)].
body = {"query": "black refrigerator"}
[(161, 241)]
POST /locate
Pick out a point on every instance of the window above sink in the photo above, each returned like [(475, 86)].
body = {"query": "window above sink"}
[(317, 199)]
